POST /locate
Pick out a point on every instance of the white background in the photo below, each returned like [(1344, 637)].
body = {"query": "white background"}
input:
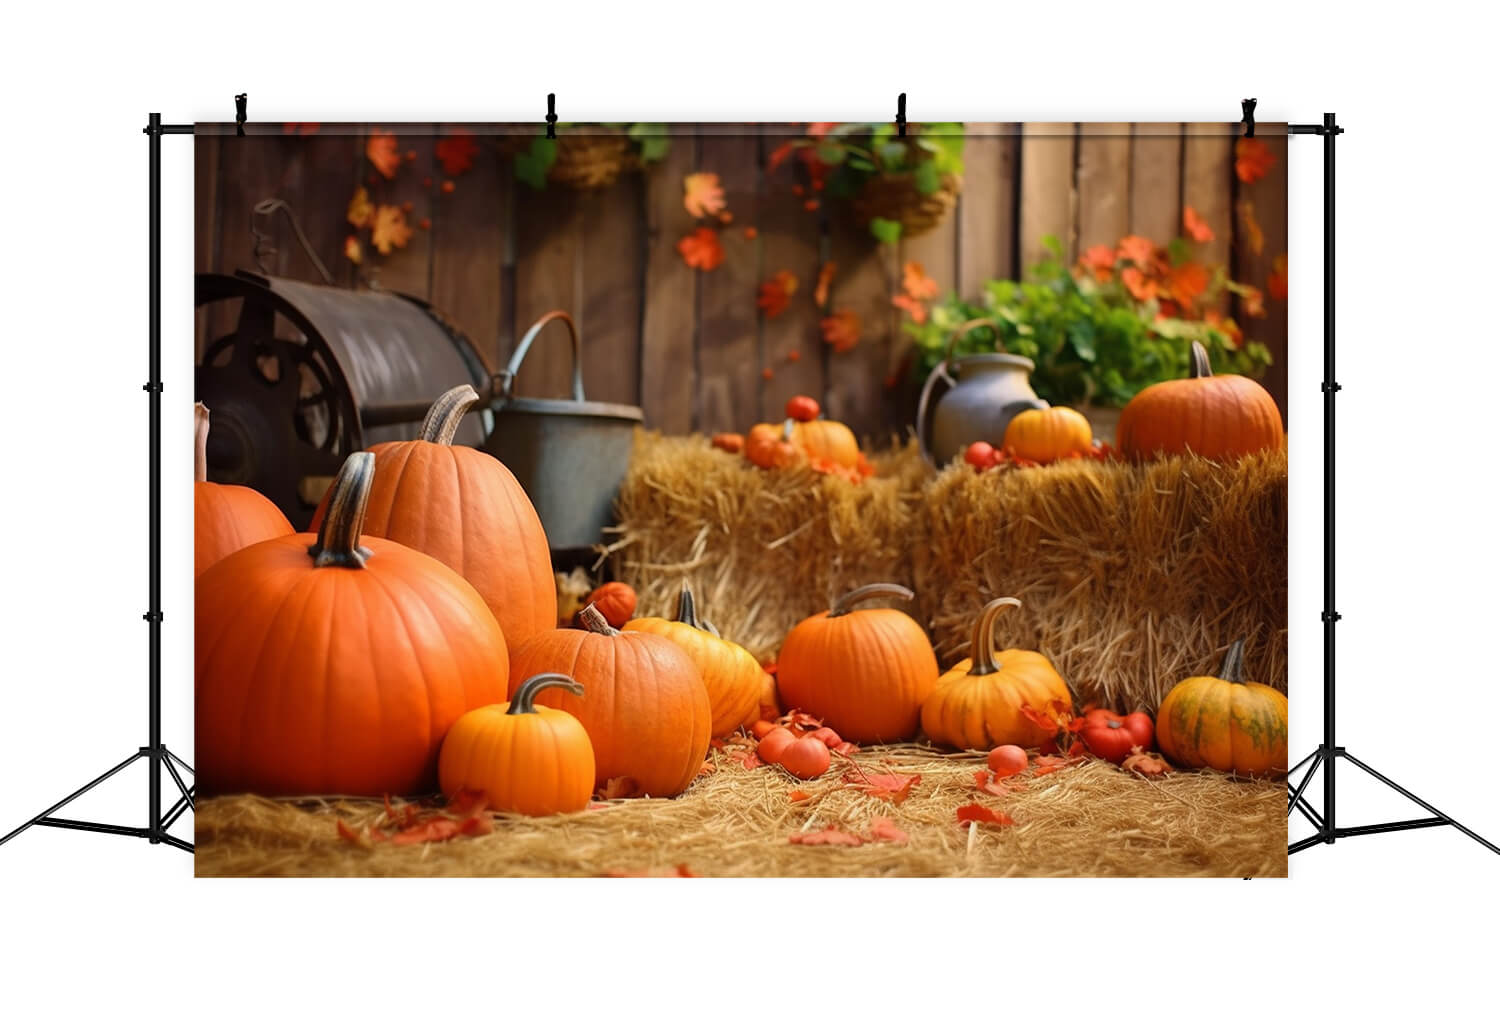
[(1384, 927)]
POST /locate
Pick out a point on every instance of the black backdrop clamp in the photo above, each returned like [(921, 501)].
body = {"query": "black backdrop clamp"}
[(1329, 753), (901, 115), (239, 112), (552, 115), (1247, 117), (158, 758)]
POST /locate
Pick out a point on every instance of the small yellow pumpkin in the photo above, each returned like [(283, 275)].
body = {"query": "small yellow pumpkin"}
[(976, 704), (1225, 723), (1046, 435)]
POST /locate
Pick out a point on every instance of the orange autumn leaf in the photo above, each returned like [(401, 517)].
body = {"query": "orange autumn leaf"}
[(825, 837), (884, 830), (796, 796), (1099, 260), (916, 310), (1046, 764), (433, 830), (990, 783), (1255, 239), (618, 788), (361, 212), (701, 250), (983, 815), (349, 835), (1138, 284), (468, 802), (841, 330), (1187, 281), (1276, 282), (1137, 250), (1252, 159), (456, 153), (1053, 716), (825, 278), (353, 251), (702, 195), (1147, 764), (1196, 227), (778, 157), (381, 150), (1253, 302), (895, 788), (776, 293), (916, 283), (390, 230)]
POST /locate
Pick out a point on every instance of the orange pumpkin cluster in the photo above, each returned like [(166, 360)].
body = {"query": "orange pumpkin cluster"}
[(802, 438)]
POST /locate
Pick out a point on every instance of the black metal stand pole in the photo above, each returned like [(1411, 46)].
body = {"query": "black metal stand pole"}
[(156, 754), (1329, 753)]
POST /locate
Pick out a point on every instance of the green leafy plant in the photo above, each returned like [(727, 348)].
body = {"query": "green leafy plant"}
[(1122, 319)]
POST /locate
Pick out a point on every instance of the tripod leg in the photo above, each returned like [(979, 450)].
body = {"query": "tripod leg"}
[(132, 759), (1317, 758), (172, 769), (181, 763), (1421, 803), (1302, 762), (179, 843)]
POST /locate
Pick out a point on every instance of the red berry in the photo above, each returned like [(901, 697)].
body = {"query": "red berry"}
[(981, 455)]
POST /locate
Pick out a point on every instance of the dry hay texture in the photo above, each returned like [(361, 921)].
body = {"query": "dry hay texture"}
[(1086, 820), (1132, 577)]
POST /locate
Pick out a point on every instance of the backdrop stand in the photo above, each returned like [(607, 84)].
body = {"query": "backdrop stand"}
[(1329, 753), (155, 752)]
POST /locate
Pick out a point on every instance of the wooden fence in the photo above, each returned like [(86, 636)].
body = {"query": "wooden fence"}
[(690, 346)]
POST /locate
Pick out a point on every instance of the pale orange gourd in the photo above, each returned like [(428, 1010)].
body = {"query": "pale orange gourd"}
[(335, 663), (1046, 435), (976, 705), (226, 517), (1225, 723)]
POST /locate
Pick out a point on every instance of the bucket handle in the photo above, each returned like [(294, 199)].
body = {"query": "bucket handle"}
[(940, 372), (506, 378)]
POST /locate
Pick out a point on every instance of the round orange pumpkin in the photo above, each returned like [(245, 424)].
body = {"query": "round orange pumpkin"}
[(526, 759), (1046, 435), (1225, 723), (226, 517), (616, 602), (770, 446), (864, 671), (463, 507), (644, 705), (730, 673), (1218, 417), (976, 705), (827, 441), (335, 663)]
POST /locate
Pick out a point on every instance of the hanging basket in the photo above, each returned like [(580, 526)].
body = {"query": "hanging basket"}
[(584, 161), (895, 197)]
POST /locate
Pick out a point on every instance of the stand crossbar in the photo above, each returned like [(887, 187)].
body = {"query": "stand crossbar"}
[(155, 752), (1329, 753)]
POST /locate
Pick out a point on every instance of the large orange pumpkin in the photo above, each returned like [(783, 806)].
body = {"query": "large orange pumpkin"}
[(976, 705), (864, 671), (464, 508), (1225, 723), (730, 673), (644, 703), (525, 759), (335, 663), (226, 517), (1217, 417)]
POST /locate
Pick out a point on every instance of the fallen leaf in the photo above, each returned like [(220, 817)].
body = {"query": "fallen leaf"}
[(476, 825), (776, 293), (701, 250), (1196, 227), (1046, 764), (916, 283), (361, 212), (618, 788), (468, 802), (349, 835), (884, 830), (749, 759), (825, 278), (702, 196), (390, 230), (456, 153), (846, 748), (825, 837), (797, 796), (841, 330), (679, 871), (989, 783), (895, 788), (983, 815), (381, 150), (1252, 159), (1143, 763), (433, 830)]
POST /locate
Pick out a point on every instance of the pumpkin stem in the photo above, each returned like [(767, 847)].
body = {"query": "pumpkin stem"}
[(338, 538), (844, 605), (200, 443), (446, 413), (1198, 366), (523, 703), (982, 646), (1234, 663), (687, 612), (594, 621)]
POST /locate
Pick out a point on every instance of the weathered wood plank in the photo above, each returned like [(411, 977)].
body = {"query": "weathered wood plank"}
[(205, 232), (549, 265), (1047, 205), (1269, 198), (1155, 183), (729, 361), (669, 320), (468, 249), (613, 251), (867, 274), (987, 211), (1103, 184), (408, 270), (1208, 187), (793, 239)]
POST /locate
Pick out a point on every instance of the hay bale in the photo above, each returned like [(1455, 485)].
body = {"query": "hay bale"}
[(1087, 820), (1132, 576), (761, 550)]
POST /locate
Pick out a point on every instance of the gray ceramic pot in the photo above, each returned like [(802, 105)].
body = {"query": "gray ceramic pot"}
[(972, 399)]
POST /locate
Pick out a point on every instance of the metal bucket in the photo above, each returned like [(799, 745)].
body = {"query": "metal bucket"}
[(569, 455)]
